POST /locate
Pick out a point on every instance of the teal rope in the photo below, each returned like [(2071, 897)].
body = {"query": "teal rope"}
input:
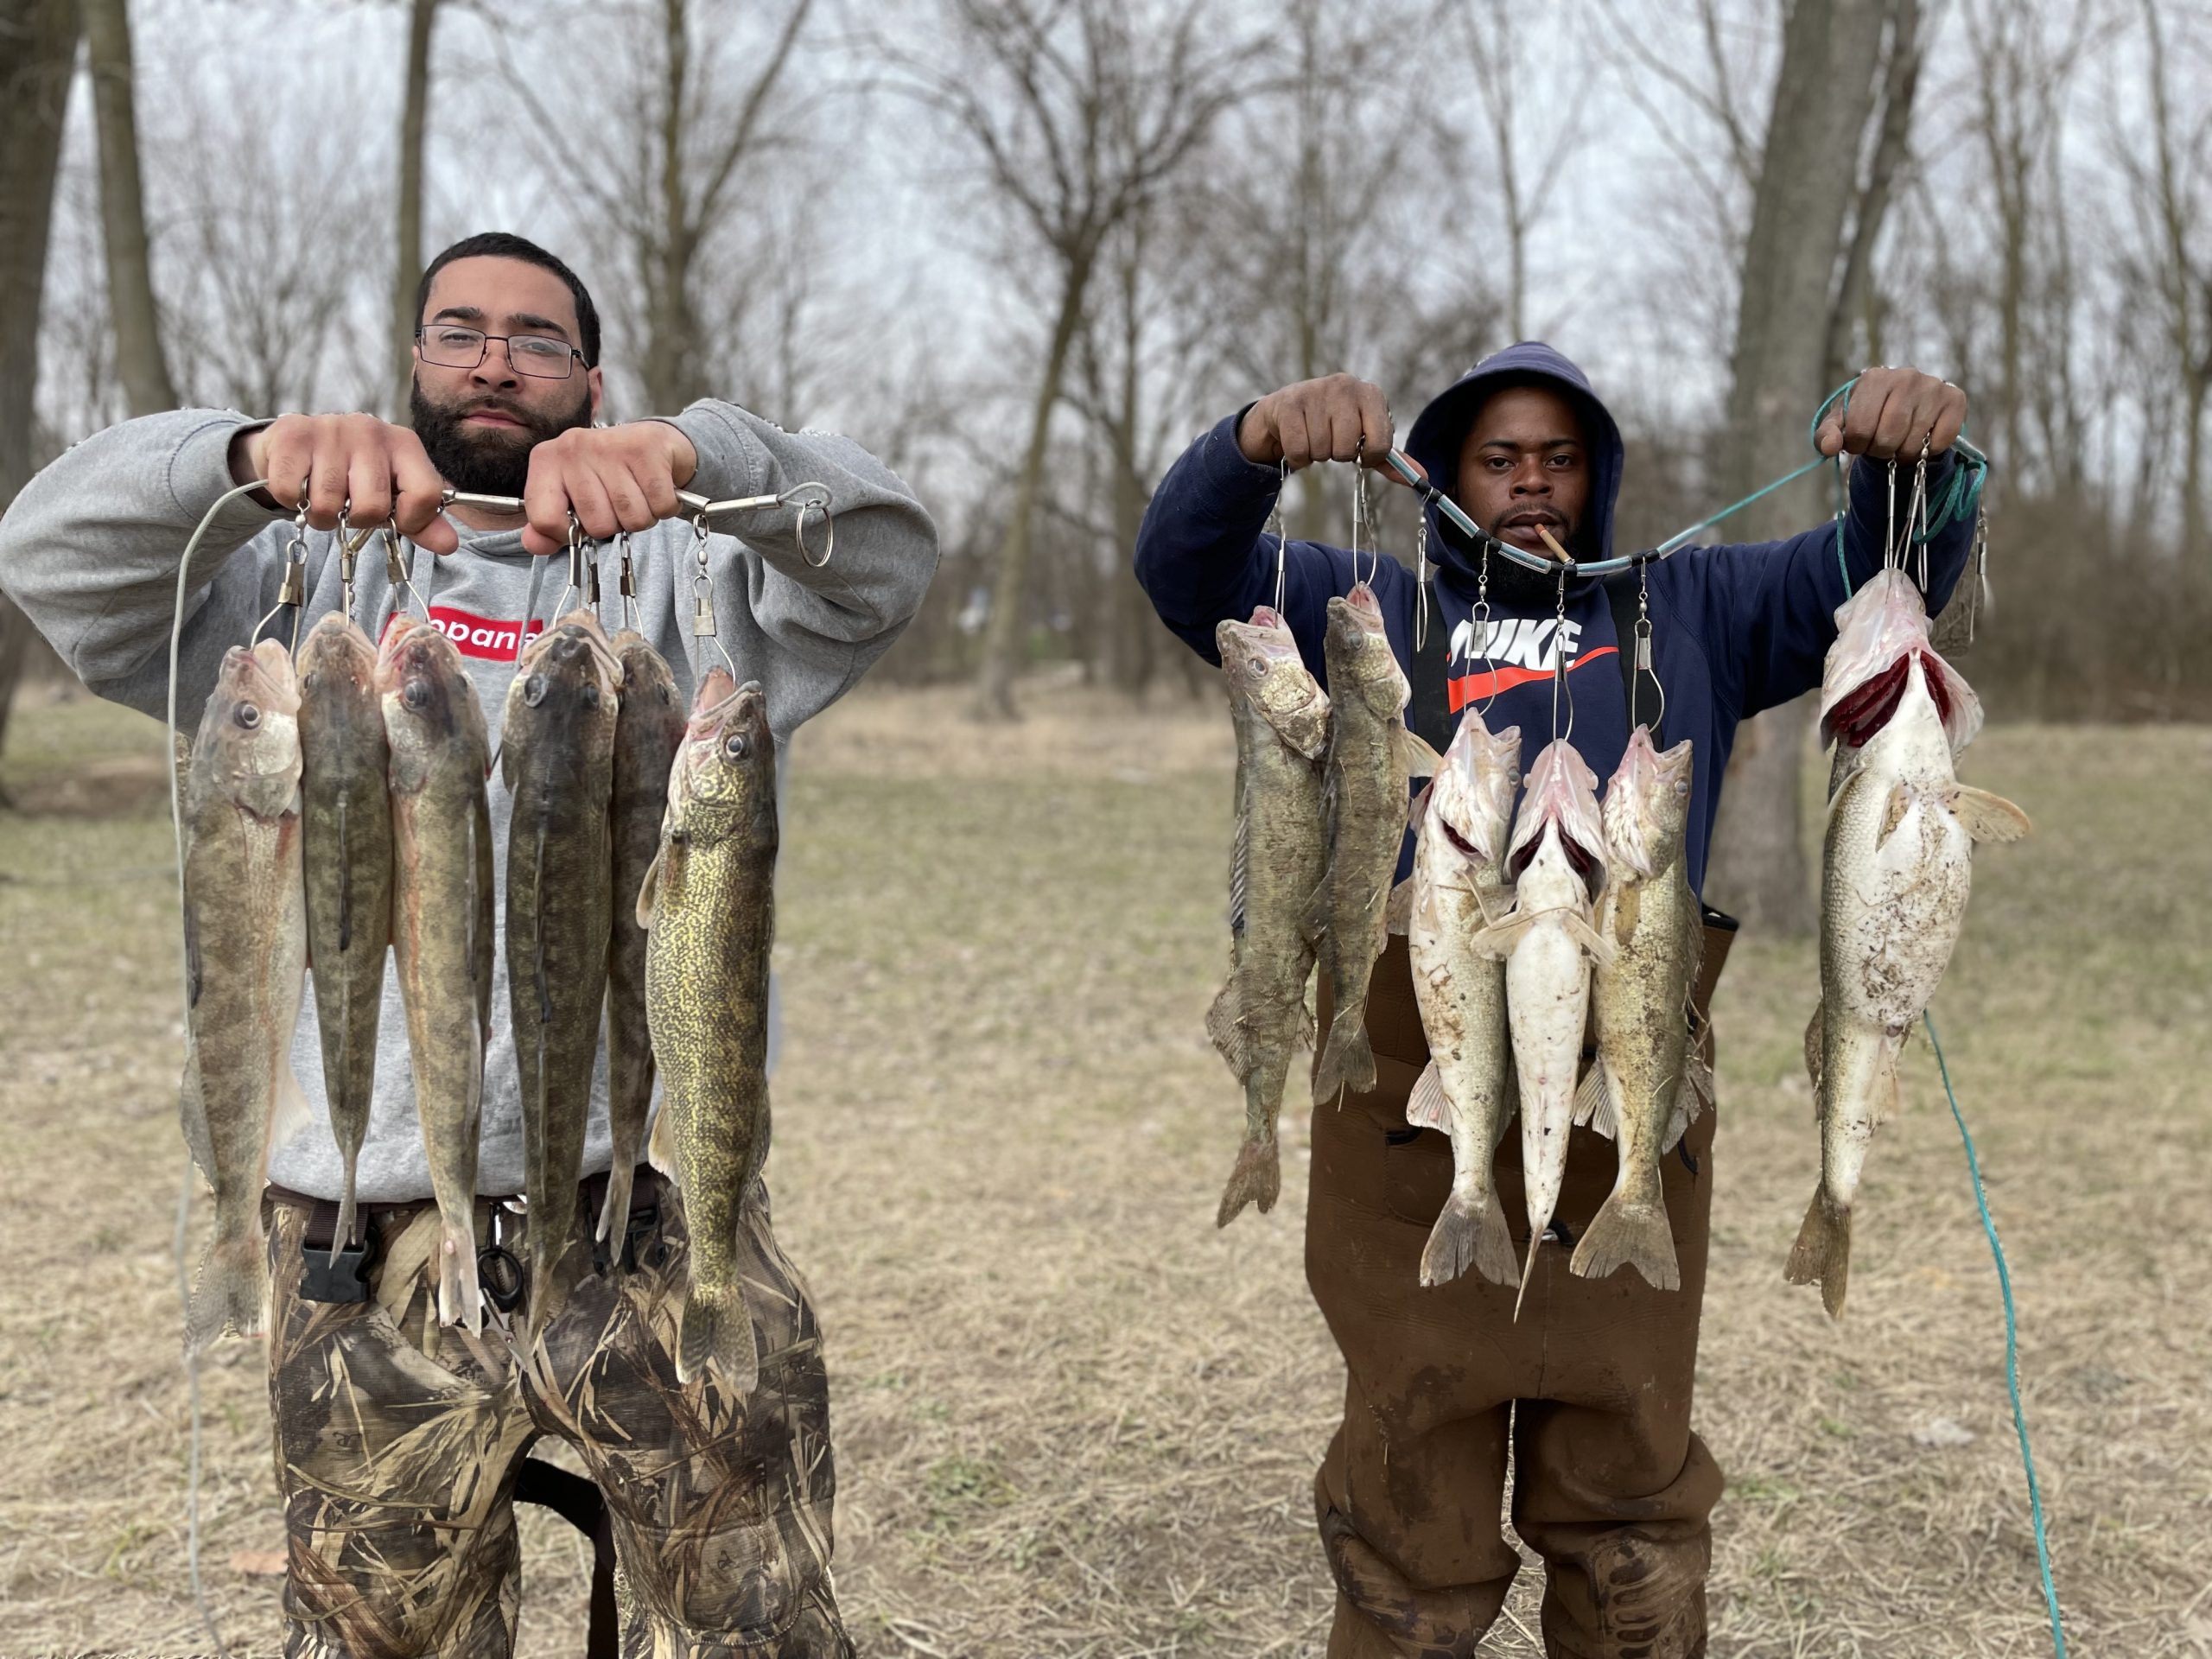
[(1961, 497), (2011, 1347)]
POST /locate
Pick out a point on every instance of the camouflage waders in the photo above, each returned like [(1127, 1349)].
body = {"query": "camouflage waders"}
[(1588, 1392), (398, 1444)]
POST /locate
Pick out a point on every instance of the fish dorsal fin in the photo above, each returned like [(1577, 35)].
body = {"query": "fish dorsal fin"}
[(1594, 1102), (1398, 914)]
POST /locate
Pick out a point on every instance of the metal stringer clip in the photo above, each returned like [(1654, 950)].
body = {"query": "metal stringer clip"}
[(627, 579), (293, 588), (1558, 665), (1643, 648), (395, 566), (703, 594)]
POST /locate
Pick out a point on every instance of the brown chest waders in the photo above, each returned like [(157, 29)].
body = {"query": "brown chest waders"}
[(1587, 1395)]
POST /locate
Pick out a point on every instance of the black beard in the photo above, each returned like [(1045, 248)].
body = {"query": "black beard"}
[(486, 462)]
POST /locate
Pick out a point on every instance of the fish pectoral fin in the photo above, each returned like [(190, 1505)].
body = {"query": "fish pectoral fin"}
[(1497, 941), (1227, 1031), (287, 1111), (1988, 817), (1421, 760), (1398, 913), (1417, 808), (1427, 1107), (660, 1146), (649, 890), (1580, 930), (1313, 921), (1814, 1029), (1594, 1102), (1839, 787)]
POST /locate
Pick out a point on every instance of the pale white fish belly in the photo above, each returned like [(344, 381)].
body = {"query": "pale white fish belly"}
[(1547, 997)]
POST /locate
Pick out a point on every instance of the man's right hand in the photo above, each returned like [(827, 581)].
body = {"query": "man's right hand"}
[(354, 466), (1334, 418)]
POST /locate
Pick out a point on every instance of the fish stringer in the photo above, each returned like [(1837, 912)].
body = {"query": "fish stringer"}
[(1479, 619), (293, 588), (627, 579), (1643, 642), (395, 573), (1559, 666), (702, 603), (1282, 534)]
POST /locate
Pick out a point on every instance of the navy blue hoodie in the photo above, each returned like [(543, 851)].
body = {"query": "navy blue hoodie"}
[(1736, 629)]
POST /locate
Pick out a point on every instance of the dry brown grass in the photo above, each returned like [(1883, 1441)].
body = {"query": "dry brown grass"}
[(1071, 1418)]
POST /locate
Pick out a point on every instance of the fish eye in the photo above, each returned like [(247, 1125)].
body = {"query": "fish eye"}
[(667, 696), (248, 715), (533, 690), (415, 694), (737, 745), (1257, 667), (591, 696)]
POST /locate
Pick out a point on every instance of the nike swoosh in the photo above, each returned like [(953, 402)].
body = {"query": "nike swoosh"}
[(1474, 688)]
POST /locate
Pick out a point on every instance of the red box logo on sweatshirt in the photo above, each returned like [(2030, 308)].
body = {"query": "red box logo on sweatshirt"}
[(482, 636)]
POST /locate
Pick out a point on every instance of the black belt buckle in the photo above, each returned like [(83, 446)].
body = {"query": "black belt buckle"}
[(338, 1276)]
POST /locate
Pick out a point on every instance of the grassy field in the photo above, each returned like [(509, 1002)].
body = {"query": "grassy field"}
[(1071, 1418)]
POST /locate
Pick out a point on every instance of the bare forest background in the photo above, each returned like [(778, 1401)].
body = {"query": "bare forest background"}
[(1026, 251)]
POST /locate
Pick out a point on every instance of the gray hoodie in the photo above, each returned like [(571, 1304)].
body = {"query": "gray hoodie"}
[(89, 549)]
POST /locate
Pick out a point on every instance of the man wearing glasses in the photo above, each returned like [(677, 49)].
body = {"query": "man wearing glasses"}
[(400, 1444)]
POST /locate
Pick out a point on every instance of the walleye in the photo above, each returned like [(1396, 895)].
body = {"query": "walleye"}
[(441, 937), (1895, 867), (556, 758), (707, 908), (346, 835), (1639, 1086), (1549, 942), (1458, 890), (1282, 718), (646, 733), (246, 961), (1364, 807)]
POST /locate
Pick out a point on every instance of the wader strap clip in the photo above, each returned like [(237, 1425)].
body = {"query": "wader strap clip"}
[(340, 1276), (500, 1275)]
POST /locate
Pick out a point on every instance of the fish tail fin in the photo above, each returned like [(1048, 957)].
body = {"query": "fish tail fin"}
[(1469, 1231), (1528, 1269), (717, 1331), (1629, 1232), (1257, 1179), (1822, 1255), (459, 1300), (342, 1234), (232, 1288), (615, 1214), (1347, 1060)]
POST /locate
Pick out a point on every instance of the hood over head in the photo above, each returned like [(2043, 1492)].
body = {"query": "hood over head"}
[(1441, 428)]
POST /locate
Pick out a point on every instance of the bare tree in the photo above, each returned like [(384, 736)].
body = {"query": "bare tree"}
[(414, 121), (2167, 196), (139, 360), (661, 190), (1077, 112), (1857, 309), (1493, 38), (1823, 94), (38, 49)]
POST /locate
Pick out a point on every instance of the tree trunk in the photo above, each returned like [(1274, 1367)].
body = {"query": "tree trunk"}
[(407, 269), (38, 55), (1823, 94), (1002, 633), (1855, 302), (147, 388)]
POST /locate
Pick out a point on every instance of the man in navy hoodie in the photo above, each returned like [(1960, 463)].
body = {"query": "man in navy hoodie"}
[(1589, 1390)]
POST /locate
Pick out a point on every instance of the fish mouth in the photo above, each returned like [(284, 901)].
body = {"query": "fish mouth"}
[(262, 674)]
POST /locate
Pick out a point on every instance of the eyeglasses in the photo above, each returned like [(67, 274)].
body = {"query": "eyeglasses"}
[(451, 347)]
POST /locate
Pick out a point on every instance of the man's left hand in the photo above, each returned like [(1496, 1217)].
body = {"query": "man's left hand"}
[(612, 478), (1892, 412)]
